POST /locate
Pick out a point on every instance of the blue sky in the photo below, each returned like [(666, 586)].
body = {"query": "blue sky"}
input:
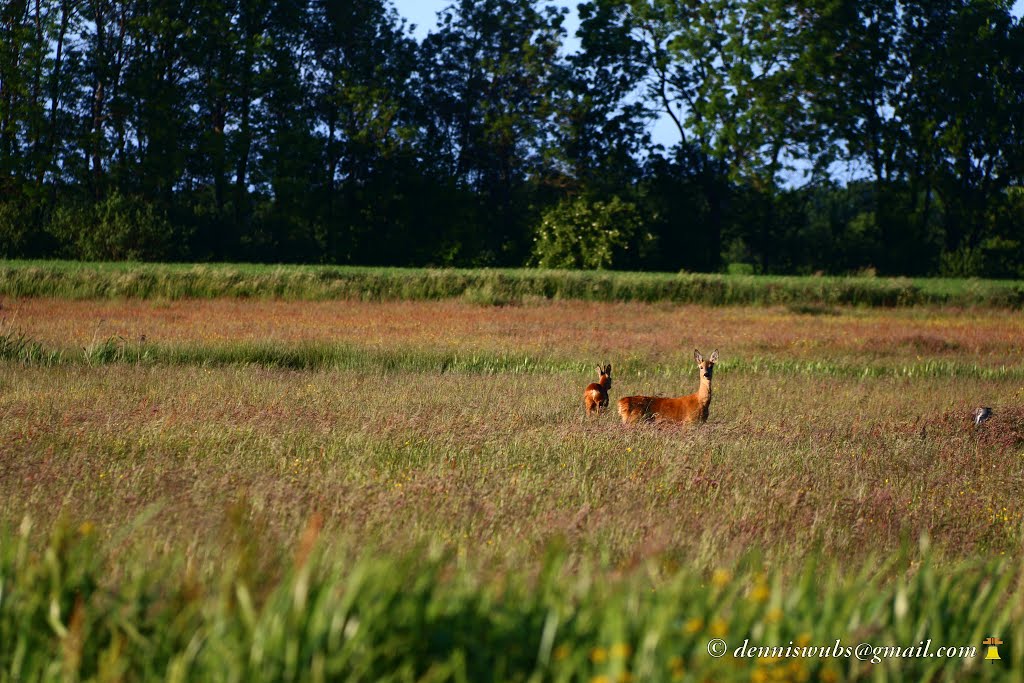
[(423, 13)]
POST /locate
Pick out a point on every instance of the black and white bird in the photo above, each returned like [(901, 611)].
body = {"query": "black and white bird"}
[(981, 414)]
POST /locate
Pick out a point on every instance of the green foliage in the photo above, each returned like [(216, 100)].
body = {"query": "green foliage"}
[(16, 229), (593, 235), (63, 616), (117, 229), (994, 257), (16, 346), (739, 268)]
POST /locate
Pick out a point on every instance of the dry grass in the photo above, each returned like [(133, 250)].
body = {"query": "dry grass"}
[(499, 469)]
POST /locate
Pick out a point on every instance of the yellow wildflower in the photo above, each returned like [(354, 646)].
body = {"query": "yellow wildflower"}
[(719, 629), (760, 592), (621, 650), (828, 676)]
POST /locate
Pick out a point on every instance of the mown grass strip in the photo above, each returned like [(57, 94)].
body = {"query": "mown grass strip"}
[(484, 286), (15, 347), (322, 616)]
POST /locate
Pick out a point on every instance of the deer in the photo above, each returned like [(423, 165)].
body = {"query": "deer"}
[(595, 396), (685, 409)]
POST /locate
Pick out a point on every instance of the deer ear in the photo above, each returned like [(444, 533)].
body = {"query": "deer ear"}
[(608, 370), (600, 370), (697, 357), (714, 356)]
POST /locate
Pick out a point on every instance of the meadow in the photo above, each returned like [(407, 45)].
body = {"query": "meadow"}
[(388, 489)]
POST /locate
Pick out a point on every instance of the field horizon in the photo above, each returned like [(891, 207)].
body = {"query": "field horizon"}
[(495, 286)]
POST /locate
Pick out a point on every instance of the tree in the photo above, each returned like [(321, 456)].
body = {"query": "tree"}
[(964, 115), (490, 76), (602, 117), (364, 65)]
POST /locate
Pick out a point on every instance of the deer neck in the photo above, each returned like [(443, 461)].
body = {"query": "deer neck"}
[(704, 392), (605, 382)]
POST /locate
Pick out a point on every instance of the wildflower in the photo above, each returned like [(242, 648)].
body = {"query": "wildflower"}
[(773, 616), (621, 650), (561, 652), (797, 672), (719, 628), (721, 578), (598, 655), (828, 676), (760, 592), (675, 665), (693, 626), (86, 528)]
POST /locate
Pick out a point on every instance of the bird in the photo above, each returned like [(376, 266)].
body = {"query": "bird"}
[(981, 414)]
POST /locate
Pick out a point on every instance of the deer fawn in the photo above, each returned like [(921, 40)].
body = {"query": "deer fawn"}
[(595, 396), (692, 408)]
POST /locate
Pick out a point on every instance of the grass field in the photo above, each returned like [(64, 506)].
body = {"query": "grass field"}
[(223, 487), (487, 286)]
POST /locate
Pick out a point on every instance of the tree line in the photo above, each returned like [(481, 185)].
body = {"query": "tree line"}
[(808, 135)]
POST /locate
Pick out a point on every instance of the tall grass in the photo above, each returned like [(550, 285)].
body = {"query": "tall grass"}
[(323, 616), (16, 346), (484, 286)]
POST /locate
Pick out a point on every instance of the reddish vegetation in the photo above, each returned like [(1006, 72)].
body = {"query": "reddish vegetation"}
[(566, 328)]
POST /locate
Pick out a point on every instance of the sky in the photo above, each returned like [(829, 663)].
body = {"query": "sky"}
[(423, 13)]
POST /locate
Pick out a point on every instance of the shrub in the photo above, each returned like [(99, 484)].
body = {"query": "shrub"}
[(119, 228), (580, 233), (16, 230)]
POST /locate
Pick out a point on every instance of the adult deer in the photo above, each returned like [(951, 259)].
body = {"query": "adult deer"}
[(595, 396), (692, 408)]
